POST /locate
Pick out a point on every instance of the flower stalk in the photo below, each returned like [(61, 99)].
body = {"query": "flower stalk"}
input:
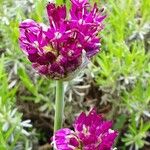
[(59, 105)]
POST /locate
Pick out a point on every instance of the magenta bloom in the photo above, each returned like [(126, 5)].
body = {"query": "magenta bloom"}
[(66, 45), (91, 132)]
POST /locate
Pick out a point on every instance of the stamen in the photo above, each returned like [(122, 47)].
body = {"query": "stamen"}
[(58, 35)]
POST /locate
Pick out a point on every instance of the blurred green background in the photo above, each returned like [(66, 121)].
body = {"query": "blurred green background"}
[(116, 82)]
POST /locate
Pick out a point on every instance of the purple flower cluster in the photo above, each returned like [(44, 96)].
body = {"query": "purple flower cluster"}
[(91, 132), (58, 50)]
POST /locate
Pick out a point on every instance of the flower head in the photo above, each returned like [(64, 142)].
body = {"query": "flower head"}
[(90, 132), (65, 46)]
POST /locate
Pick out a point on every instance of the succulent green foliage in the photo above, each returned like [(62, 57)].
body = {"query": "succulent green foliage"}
[(122, 69), (11, 124), (136, 134)]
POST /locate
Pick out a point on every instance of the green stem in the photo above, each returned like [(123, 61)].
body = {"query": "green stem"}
[(59, 105)]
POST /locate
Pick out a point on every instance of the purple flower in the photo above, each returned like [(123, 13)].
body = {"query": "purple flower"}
[(90, 132), (66, 45)]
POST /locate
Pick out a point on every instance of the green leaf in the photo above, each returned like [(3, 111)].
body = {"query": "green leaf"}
[(27, 81), (120, 122)]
